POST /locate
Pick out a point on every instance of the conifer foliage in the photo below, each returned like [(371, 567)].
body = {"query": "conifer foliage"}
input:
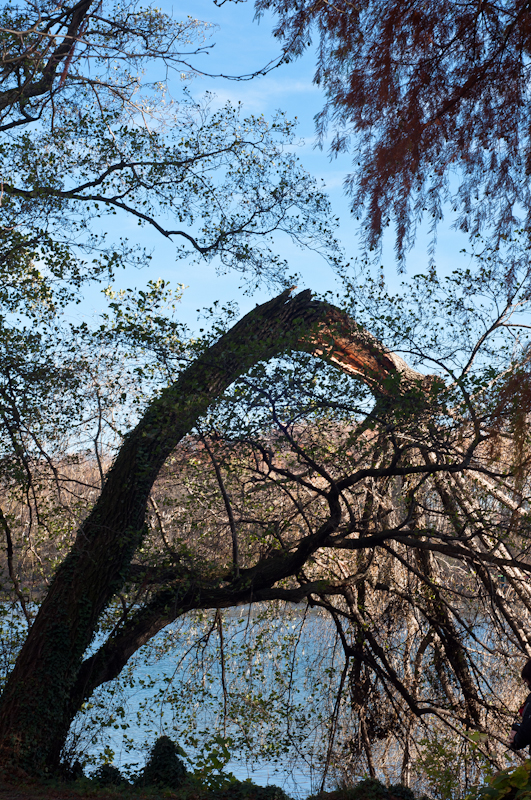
[(431, 98)]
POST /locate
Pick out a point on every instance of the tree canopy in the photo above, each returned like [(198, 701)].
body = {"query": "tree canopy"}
[(86, 139), (431, 98)]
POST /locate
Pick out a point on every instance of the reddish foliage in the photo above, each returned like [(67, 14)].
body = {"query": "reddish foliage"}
[(422, 91)]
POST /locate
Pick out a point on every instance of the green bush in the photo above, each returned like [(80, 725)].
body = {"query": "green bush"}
[(401, 791), (509, 784), (164, 767), (368, 789), (108, 775), (250, 791)]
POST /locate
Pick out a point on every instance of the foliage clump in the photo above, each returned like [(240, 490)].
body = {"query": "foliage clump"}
[(250, 791), (164, 767), (368, 789), (108, 775), (401, 791), (509, 784)]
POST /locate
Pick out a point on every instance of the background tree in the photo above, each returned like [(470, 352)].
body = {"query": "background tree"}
[(432, 99)]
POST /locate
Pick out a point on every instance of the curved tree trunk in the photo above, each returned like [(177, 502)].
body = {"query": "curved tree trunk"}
[(50, 679)]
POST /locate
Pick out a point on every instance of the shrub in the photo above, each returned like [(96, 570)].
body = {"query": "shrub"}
[(164, 767), (368, 789), (400, 791), (509, 784), (108, 775), (250, 791)]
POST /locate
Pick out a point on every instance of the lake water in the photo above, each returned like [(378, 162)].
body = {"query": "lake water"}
[(257, 680)]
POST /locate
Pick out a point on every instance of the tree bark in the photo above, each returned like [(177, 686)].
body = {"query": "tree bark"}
[(50, 679)]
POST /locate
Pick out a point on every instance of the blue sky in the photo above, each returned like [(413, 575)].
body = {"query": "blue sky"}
[(241, 46)]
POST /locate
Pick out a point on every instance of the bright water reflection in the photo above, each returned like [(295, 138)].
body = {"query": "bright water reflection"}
[(279, 672)]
